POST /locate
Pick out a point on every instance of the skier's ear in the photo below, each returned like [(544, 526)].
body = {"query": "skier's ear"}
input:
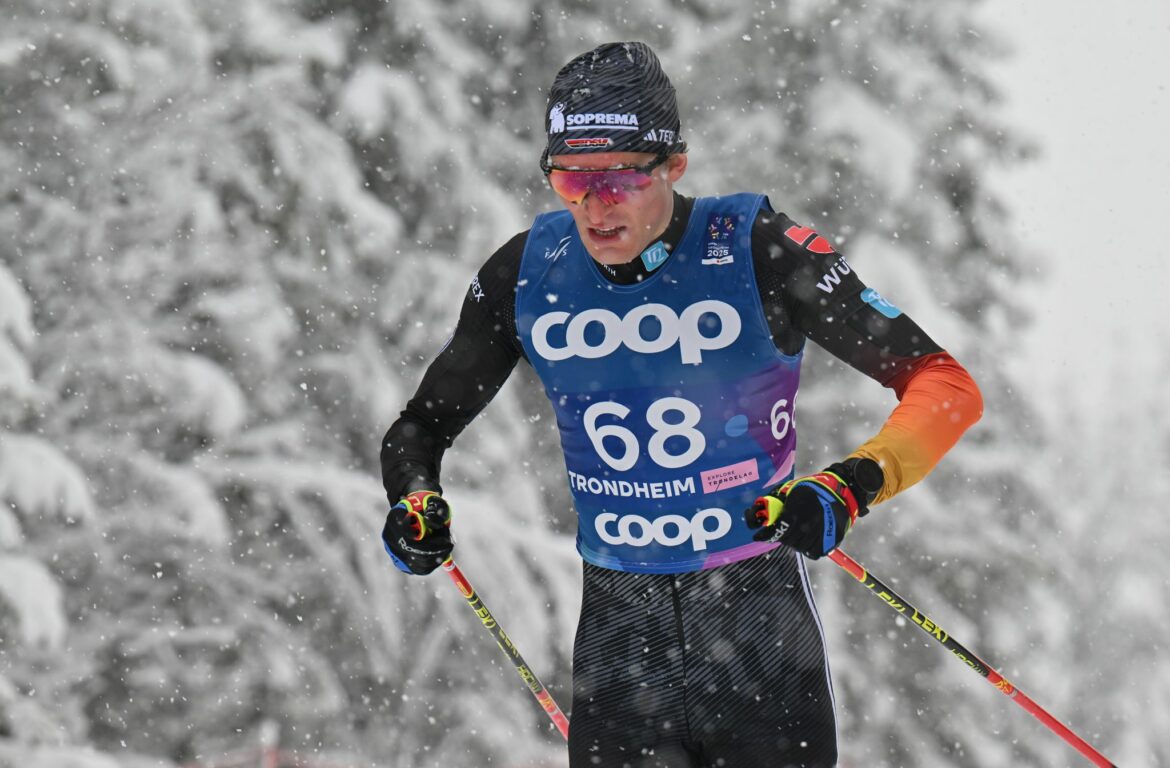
[(676, 166)]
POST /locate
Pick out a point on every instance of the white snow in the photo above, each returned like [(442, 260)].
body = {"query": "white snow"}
[(38, 479), (28, 588)]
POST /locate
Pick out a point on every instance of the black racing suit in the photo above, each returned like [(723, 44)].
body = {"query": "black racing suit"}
[(719, 667)]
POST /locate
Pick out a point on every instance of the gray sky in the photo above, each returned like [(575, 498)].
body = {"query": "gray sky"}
[(1090, 82)]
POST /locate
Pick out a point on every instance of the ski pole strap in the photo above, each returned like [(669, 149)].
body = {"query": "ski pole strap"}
[(493, 627), (940, 635)]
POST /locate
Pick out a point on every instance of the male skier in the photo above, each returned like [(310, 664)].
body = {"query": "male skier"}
[(668, 333)]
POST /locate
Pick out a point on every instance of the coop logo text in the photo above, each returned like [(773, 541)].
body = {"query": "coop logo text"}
[(667, 530), (703, 326)]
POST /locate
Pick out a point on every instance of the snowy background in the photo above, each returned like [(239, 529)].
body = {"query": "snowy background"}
[(232, 233)]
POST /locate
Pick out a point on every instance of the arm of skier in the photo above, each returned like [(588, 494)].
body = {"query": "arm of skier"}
[(938, 402), (805, 282), (463, 378), (937, 399)]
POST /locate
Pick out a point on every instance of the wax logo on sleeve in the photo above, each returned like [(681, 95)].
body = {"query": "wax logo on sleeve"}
[(875, 300)]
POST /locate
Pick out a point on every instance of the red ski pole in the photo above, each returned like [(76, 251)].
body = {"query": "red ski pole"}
[(899, 604), (492, 626)]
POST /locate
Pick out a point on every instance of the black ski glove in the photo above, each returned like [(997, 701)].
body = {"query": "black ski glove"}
[(417, 534), (812, 514)]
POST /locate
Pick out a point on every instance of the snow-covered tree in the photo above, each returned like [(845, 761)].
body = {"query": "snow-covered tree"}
[(1111, 450), (226, 309), (42, 496)]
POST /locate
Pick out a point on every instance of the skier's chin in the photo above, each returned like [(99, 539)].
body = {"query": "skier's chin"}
[(612, 250)]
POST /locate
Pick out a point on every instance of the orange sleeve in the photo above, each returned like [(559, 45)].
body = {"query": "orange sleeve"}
[(938, 401)]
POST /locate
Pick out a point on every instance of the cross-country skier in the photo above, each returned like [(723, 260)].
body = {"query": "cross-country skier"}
[(668, 333)]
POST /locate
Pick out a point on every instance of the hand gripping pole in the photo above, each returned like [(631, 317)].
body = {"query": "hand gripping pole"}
[(492, 626), (899, 604)]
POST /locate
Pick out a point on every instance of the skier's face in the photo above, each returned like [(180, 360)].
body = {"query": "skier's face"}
[(622, 216)]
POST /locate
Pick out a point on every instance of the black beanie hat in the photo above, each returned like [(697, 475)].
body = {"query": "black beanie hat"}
[(615, 98)]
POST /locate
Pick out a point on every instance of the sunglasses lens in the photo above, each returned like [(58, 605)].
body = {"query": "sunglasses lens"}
[(611, 187), (570, 185)]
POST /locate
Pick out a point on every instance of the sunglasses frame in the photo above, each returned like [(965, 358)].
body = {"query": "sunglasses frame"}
[(658, 160)]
